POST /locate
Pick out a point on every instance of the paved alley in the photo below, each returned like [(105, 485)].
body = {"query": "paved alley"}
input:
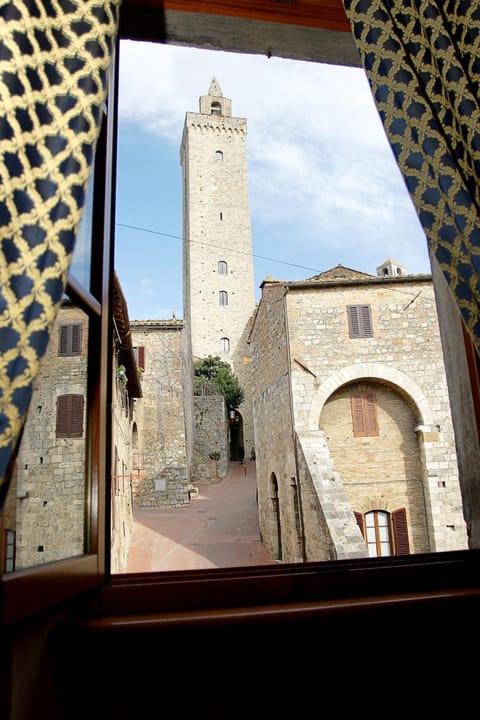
[(219, 529)]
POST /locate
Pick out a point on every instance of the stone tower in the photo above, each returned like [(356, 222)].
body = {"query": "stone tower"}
[(218, 275)]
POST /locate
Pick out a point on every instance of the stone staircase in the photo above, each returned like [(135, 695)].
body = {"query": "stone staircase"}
[(342, 525)]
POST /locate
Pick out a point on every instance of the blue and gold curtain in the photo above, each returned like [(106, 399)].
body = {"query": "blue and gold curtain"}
[(422, 59), (54, 62)]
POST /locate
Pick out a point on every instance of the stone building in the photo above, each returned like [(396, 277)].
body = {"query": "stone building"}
[(163, 472), (349, 366), (218, 282), (45, 512)]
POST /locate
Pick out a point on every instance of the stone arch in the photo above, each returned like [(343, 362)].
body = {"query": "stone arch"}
[(371, 371)]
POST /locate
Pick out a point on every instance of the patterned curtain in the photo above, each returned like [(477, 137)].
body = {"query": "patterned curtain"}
[(54, 60), (422, 59)]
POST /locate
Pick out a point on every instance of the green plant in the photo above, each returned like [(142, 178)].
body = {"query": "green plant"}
[(213, 374), (214, 455)]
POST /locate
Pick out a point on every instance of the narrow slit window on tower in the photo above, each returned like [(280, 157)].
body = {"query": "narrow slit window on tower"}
[(222, 267), (218, 155), (223, 297), (225, 344)]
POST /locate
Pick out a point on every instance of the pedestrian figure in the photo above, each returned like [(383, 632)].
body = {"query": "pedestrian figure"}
[(252, 455), (241, 453)]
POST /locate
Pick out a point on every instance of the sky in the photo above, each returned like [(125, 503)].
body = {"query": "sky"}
[(323, 183)]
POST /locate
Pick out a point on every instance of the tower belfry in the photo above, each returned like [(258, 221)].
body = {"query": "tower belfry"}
[(218, 275)]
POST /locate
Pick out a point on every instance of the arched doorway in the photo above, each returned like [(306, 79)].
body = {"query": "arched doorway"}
[(235, 421)]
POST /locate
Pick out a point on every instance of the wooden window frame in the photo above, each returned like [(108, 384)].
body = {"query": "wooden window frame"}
[(273, 591)]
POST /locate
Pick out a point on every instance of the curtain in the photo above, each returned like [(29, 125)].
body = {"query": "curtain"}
[(54, 62), (422, 60)]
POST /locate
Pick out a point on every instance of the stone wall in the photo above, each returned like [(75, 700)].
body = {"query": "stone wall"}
[(211, 451), (164, 479)]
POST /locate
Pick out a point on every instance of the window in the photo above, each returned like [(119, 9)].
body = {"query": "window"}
[(139, 355), (364, 412), (222, 267), (225, 344), (218, 155), (216, 108), (70, 339), (359, 321), (385, 533), (9, 564), (223, 298), (69, 416)]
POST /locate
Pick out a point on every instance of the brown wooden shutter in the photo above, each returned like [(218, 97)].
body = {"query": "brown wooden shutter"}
[(400, 532), (359, 321), (370, 407), (70, 339), (69, 416), (366, 321), (141, 357), (76, 347), (353, 321), (359, 519), (358, 416)]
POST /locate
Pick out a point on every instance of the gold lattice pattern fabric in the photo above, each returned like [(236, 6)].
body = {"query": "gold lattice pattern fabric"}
[(422, 60), (54, 62)]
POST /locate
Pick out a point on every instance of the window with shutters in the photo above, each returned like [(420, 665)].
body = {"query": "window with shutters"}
[(359, 321), (225, 344), (364, 412), (139, 355), (223, 298), (69, 416), (70, 340), (222, 267), (385, 533)]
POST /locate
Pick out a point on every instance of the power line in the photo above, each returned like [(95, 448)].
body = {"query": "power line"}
[(218, 247)]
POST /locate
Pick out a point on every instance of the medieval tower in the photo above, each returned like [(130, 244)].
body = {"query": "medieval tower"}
[(218, 276)]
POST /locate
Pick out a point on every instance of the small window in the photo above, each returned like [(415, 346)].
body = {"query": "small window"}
[(225, 344), (69, 416), (223, 298), (139, 355), (219, 155), (70, 339), (364, 412), (216, 108), (9, 551), (222, 267), (385, 533), (359, 321)]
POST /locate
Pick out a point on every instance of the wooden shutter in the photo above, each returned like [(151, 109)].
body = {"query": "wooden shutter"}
[(364, 412), (359, 519), (139, 354), (69, 416), (359, 321), (370, 410), (353, 321), (70, 339), (359, 427), (400, 532)]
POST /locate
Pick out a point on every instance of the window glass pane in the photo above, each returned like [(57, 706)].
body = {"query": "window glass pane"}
[(80, 265), (45, 507)]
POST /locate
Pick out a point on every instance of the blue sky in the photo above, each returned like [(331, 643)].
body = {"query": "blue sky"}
[(324, 187)]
